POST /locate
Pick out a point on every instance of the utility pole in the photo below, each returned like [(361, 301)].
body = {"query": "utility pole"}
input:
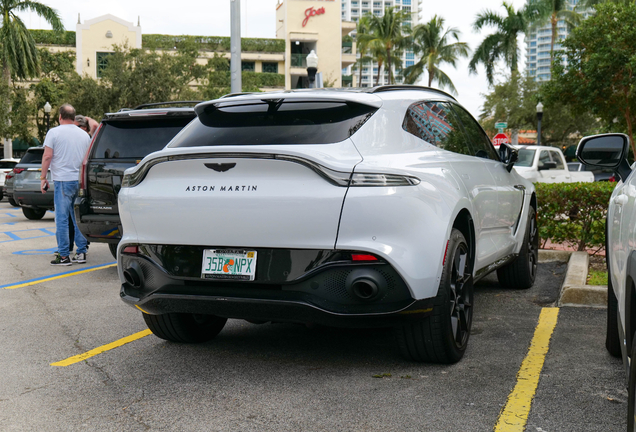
[(235, 46)]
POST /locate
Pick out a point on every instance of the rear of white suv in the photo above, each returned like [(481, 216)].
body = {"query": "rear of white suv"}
[(317, 207)]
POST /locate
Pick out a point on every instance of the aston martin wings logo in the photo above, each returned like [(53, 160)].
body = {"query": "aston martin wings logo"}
[(220, 167)]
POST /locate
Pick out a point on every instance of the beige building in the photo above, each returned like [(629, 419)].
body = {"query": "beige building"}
[(316, 25)]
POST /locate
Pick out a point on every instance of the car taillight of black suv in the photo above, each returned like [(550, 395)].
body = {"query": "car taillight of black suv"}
[(121, 141)]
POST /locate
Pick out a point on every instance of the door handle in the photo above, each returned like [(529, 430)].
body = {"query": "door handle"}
[(620, 200)]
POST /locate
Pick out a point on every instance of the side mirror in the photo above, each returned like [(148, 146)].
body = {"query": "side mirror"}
[(547, 166), (508, 156), (606, 151)]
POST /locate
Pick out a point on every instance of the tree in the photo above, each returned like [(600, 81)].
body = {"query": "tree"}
[(19, 54), (386, 38), (362, 46), (601, 62), (541, 12), (436, 46), (502, 45), (514, 101)]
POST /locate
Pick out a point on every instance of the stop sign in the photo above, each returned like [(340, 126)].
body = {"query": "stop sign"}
[(500, 138)]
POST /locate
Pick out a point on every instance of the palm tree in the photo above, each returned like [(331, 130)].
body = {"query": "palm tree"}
[(362, 47), (17, 47), (436, 45), (385, 38), (551, 11), (501, 45)]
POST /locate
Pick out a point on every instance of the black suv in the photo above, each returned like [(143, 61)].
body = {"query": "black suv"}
[(122, 140)]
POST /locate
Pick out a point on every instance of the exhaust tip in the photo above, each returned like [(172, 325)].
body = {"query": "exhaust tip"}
[(133, 275), (366, 285), (364, 289)]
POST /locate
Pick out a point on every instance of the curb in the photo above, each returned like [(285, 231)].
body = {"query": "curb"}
[(574, 291)]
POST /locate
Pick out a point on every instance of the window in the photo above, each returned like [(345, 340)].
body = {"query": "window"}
[(406, 2), (525, 158), (293, 121), (416, 122), (556, 157), (409, 55), (270, 67), (544, 157), (408, 63), (248, 66), (446, 129), (482, 147), (102, 62)]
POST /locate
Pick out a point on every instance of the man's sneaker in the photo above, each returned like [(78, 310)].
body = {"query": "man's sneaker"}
[(79, 258), (61, 261)]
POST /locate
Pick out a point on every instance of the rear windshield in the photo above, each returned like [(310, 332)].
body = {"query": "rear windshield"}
[(7, 164), (32, 157), (136, 139), (525, 159), (275, 122)]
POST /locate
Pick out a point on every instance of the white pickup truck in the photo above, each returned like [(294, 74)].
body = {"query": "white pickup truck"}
[(547, 165)]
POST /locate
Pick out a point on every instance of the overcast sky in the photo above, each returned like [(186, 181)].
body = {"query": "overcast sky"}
[(212, 18)]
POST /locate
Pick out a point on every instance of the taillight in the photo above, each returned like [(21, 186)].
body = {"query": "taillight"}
[(18, 170), (363, 257), (83, 174), (612, 178), (131, 250)]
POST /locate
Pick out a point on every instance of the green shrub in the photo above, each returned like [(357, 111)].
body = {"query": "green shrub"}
[(573, 213), (49, 37), (212, 43)]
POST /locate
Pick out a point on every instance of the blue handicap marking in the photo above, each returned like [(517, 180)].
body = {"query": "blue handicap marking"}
[(8, 214), (27, 234), (36, 252), (9, 223)]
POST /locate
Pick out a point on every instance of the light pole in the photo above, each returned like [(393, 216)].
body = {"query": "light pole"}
[(539, 117), (312, 67), (47, 113)]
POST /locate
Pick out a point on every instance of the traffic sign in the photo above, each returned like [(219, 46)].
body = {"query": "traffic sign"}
[(500, 138), (501, 125)]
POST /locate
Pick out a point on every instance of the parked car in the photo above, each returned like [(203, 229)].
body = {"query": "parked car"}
[(610, 151), (600, 174), (8, 188), (372, 207), (547, 165), (6, 166), (26, 185), (121, 141)]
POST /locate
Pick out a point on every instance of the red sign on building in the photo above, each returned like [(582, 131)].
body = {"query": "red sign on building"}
[(309, 12)]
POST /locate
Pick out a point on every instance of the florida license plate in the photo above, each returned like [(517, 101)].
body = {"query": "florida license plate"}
[(232, 264)]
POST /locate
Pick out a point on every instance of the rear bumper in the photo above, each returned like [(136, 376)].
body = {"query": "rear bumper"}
[(104, 228), (322, 295), (36, 200)]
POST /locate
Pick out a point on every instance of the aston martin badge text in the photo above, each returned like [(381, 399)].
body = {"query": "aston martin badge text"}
[(198, 188)]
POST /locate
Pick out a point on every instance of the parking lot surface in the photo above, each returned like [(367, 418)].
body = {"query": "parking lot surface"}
[(278, 377)]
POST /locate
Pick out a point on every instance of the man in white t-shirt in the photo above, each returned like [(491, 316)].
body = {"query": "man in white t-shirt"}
[(64, 149)]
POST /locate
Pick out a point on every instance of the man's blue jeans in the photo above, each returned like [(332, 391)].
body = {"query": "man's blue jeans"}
[(65, 194)]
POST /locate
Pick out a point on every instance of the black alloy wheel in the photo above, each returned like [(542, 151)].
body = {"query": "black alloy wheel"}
[(461, 302), (443, 336), (522, 272)]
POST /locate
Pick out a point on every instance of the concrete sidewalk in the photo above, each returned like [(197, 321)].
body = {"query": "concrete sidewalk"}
[(574, 291)]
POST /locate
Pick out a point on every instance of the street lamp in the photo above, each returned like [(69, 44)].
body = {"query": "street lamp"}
[(312, 67), (539, 117), (47, 113)]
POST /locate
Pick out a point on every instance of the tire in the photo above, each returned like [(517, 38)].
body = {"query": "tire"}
[(113, 249), (631, 390), (443, 336), (12, 201), (184, 327), (33, 214), (612, 339), (1, 194), (520, 273)]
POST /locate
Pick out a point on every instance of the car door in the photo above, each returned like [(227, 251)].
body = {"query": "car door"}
[(621, 231), (561, 171), (548, 174), (473, 172), (509, 192)]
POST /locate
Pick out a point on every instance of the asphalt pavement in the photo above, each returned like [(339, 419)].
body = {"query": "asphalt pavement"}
[(276, 377)]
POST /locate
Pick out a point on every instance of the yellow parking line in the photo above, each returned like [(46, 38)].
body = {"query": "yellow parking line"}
[(123, 341), (514, 415), (59, 276)]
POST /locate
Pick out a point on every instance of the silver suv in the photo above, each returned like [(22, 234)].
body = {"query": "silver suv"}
[(26, 185)]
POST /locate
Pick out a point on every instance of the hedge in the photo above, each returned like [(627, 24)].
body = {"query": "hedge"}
[(213, 43), (49, 37), (573, 213)]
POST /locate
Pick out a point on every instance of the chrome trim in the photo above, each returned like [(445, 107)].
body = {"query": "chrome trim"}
[(336, 178)]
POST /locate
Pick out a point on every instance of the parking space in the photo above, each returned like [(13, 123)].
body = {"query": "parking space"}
[(279, 377)]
